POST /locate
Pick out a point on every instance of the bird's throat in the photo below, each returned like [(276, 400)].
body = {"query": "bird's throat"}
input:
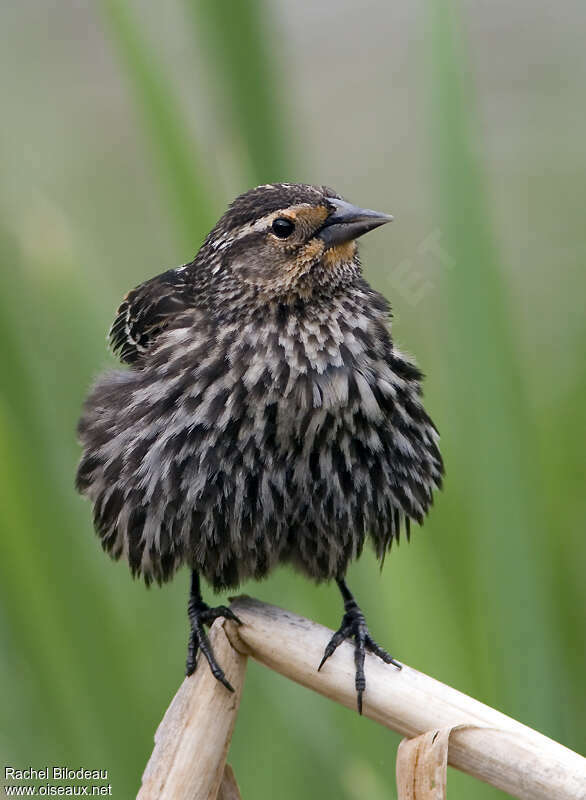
[(340, 254)]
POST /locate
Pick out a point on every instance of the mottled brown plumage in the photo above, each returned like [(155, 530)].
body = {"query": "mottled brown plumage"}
[(266, 416)]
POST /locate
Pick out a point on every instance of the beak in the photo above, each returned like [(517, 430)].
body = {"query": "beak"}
[(349, 222)]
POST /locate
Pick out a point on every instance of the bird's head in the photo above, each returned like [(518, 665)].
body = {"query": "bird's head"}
[(287, 239)]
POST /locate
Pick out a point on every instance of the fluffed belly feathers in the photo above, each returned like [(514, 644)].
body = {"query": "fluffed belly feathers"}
[(234, 458)]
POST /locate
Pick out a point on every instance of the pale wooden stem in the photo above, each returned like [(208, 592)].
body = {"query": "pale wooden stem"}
[(192, 741), (490, 746)]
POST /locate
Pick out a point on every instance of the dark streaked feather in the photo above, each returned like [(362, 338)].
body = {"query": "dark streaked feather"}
[(146, 311)]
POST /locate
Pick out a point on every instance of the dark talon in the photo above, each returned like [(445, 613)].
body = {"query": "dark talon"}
[(227, 613), (373, 647), (201, 614), (342, 633), (219, 676), (192, 648), (354, 626)]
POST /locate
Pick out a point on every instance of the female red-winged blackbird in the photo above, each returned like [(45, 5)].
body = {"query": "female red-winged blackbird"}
[(266, 416)]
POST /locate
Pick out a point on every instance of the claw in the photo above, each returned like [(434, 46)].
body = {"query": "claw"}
[(373, 647), (339, 636), (227, 613), (354, 626), (192, 649), (199, 615), (219, 676)]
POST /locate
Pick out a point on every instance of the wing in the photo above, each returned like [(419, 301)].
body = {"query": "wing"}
[(146, 311)]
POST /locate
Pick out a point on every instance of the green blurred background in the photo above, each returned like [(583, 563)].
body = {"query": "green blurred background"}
[(126, 128)]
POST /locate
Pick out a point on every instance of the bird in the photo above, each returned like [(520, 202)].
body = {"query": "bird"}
[(264, 416)]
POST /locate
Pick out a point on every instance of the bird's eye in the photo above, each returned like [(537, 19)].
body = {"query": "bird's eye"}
[(283, 227)]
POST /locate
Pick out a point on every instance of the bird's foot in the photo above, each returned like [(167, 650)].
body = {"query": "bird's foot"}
[(201, 614), (354, 626)]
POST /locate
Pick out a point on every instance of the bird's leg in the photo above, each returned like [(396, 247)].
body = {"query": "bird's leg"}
[(201, 614), (354, 626)]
